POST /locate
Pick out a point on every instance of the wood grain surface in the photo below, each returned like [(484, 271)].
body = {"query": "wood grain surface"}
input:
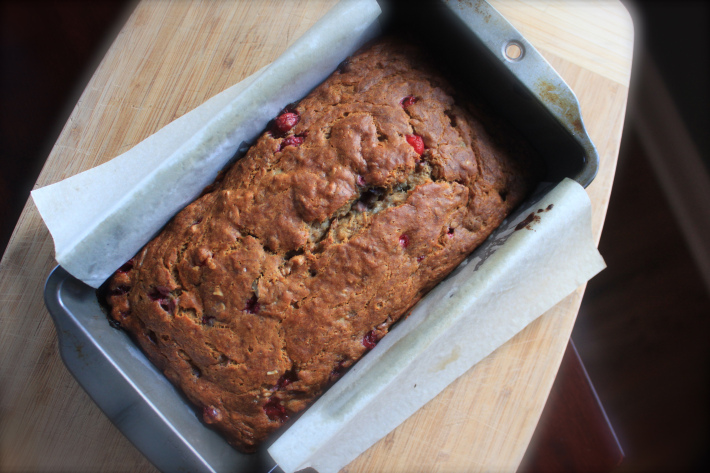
[(169, 58)]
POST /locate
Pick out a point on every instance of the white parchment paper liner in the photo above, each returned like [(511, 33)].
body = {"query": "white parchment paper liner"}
[(100, 218)]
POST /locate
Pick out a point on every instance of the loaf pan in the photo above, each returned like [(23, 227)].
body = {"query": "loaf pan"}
[(486, 54)]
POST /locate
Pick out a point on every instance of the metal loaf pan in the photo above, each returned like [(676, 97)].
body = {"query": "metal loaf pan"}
[(472, 38)]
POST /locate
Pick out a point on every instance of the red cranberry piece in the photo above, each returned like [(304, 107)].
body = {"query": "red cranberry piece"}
[(211, 415), (361, 181), (404, 241), (168, 305), (408, 101), (417, 143), (252, 306), (287, 378), (162, 295), (450, 233), (163, 290), (293, 140), (275, 411), (127, 266), (420, 258), (286, 121), (159, 292), (370, 340)]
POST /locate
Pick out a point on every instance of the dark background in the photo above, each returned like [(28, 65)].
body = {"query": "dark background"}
[(643, 328)]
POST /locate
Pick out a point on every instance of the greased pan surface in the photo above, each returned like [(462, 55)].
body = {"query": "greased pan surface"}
[(143, 404)]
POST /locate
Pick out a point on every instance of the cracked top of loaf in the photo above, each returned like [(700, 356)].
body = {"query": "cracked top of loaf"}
[(354, 203)]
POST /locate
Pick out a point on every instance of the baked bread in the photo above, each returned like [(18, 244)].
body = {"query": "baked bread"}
[(353, 205)]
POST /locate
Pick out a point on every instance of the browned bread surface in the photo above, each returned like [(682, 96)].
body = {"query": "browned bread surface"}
[(263, 291)]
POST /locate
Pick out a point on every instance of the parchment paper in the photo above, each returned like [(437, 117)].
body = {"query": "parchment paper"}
[(99, 219)]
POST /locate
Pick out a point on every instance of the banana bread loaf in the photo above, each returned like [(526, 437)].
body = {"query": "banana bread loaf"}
[(353, 204)]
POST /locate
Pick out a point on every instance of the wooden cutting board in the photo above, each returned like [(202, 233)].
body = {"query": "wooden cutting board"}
[(169, 58)]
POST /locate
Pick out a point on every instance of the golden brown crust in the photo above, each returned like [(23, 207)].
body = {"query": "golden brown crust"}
[(260, 293)]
